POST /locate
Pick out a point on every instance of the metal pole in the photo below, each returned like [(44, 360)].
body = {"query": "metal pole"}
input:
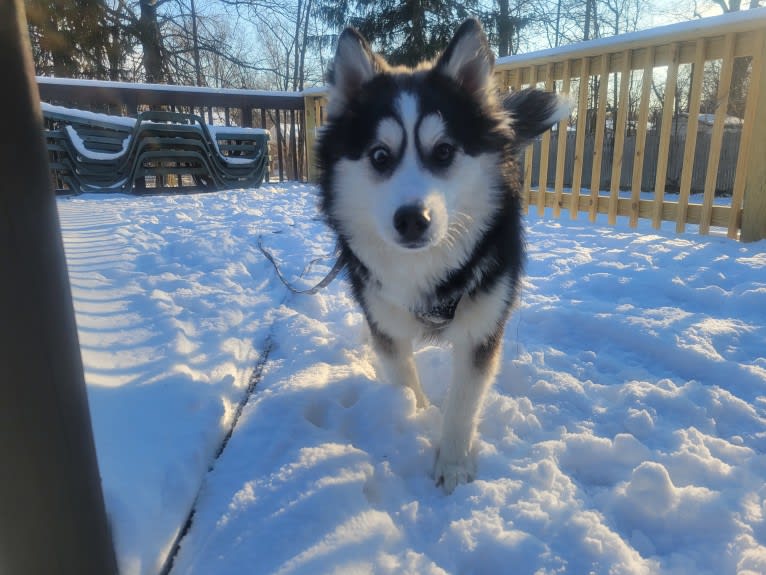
[(52, 514)]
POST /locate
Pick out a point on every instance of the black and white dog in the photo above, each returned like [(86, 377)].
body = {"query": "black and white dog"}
[(420, 183)]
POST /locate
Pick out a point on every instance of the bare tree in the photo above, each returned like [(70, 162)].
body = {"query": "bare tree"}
[(148, 32), (740, 80)]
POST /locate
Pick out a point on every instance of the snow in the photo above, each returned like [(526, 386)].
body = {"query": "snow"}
[(689, 29), (285, 95), (626, 432), (709, 120), (220, 132), (693, 29), (77, 114), (84, 151)]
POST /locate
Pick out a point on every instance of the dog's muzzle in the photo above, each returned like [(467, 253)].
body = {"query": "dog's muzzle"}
[(412, 222)]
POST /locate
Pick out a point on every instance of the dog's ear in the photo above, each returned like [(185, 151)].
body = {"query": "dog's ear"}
[(354, 64), (534, 111), (467, 59)]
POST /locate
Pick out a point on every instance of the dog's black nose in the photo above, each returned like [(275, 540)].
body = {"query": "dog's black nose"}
[(412, 221)]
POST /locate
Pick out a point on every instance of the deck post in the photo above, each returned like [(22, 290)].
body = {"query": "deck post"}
[(52, 513), (312, 124), (754, 209), (247, 116)]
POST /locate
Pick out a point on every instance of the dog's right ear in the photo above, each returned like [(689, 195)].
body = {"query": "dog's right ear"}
[(354, 64)]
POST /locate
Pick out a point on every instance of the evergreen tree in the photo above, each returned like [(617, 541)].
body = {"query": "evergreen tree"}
[(69, 39), (406, 32), (503, 23)]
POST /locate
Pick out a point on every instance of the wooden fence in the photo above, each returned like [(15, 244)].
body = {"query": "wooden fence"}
[(727, 167), (640, 146), (733, 41)]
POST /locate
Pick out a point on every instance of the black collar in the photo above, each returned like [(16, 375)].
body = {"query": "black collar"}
[(440, 315)]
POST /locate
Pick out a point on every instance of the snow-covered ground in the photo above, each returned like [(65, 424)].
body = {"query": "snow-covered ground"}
[(626, 432)]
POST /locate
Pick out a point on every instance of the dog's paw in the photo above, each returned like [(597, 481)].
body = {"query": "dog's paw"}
[(449, 472), (421, 401)]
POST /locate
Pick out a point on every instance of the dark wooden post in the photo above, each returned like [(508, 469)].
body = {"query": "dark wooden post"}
[(247, 116), (278, 116), (52, 514), (267, 175), (294, 146)]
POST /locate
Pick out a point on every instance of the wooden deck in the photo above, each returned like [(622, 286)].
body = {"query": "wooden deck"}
[(630, 152)]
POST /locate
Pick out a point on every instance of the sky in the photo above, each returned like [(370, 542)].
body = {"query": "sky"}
[(626, 432)]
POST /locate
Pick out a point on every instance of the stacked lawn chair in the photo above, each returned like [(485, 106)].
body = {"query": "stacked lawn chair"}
[(97, 153)]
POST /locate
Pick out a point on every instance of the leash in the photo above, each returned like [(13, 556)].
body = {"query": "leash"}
[(332, 274), (437, 317)]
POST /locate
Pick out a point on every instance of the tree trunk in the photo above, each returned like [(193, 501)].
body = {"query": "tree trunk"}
[(195, 43), (151, 42), (113, 52), (504, 29)]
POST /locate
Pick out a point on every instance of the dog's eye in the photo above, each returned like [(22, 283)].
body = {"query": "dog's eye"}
[(380, 157), (443, 154)]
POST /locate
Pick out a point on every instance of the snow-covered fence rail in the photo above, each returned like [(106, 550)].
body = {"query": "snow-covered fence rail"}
[(624, 124)]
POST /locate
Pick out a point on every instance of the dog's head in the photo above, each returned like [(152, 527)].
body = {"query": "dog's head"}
[(416, 158)]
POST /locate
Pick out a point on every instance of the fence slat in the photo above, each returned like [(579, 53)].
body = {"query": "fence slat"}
[(312, 119), (542, 181), (561, 150), (687, 169), (619, 126), (515, 80), (598, 147), (643, 118), (667, 120), (293, 147), (722, 111), (280, 142), (582, 117)]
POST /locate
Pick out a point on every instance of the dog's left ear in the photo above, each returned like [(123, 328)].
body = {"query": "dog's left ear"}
[(468, 59), (354, 64)]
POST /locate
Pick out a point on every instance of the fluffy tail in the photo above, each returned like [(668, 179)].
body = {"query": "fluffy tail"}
[(534, 111)]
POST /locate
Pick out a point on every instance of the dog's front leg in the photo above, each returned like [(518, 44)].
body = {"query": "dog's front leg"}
[(474, 370), (398, 362)]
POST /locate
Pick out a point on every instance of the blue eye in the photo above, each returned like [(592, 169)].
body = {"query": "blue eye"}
[(380, 158), (443, 154)]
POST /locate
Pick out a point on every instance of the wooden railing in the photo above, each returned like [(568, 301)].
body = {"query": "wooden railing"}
[(620, 116)]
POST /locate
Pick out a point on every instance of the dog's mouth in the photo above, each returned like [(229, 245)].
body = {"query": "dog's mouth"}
[(415, 245)]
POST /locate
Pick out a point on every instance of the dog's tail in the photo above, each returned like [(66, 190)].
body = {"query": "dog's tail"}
[(534, 111)]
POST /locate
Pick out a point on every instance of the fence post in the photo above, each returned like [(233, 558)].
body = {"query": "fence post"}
[(754, 209), (312, 124), (52, 514), (247, 116)]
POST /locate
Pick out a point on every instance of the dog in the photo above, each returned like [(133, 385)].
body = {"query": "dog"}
[(419, 181)]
